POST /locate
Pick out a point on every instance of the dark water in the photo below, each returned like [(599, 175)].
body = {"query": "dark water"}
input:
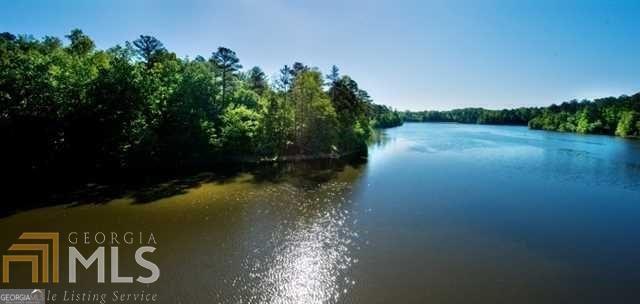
[(440, 213)]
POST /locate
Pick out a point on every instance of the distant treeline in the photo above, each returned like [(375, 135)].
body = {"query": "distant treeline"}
[(73, 107), (520, 116), (385, 117), (612, 115)]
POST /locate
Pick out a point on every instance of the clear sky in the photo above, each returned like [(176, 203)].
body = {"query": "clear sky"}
[(408, 54)]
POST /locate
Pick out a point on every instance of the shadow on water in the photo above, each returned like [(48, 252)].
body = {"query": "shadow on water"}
[(24, 194)]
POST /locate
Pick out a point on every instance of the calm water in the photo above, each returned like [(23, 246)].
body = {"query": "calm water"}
[(440, 213)]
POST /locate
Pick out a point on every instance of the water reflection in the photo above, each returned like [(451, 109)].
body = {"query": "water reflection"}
[(307, 258), (438, 214), (493, 214), (279, 233), (309, 249)]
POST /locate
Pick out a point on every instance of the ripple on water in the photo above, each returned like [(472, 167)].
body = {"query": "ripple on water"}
[(309, 253)]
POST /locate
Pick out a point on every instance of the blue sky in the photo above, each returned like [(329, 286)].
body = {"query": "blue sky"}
[(408, 54)]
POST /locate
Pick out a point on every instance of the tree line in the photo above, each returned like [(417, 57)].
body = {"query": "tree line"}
[(618, 116), (519, 116), (137, 105), (385, 117)]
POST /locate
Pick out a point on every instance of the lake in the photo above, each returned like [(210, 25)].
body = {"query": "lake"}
[(439, 213)]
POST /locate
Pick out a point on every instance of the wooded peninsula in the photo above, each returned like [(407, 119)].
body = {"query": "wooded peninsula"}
[(137, 105)]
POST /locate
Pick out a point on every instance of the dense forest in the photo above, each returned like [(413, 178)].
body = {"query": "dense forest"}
[(70, 106), (520, 116), (385, 117), (612, 115)]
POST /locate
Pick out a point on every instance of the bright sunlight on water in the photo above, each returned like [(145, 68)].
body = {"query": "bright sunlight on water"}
[(440, 213)]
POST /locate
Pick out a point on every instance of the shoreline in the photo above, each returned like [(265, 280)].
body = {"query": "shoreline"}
[(521, 125), (292, 158)]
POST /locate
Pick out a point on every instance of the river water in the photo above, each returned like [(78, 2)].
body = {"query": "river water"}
[(439, 213)]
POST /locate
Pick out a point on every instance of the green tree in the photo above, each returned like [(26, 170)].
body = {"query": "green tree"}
[(228, 64), (276, 125), (149, 49), (7, 36), (628, 124), (350, 104), (88, 110), (257, 80), (587, 121), (51, 44), (315, 116), (297, 68), (81, 44), (240, 130), (333, 76), (286, 78), (247, 97)]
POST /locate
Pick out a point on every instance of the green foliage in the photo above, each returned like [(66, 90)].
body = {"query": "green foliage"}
[(629, 124), (240, 129), (247, 97), (611, 115), (276, 124), (315, 117), (257, 80), (81, 44), (351, 110), (71, 107), (227, 63), (518, 116), (149, 49), (587, 121), (384, 117)]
